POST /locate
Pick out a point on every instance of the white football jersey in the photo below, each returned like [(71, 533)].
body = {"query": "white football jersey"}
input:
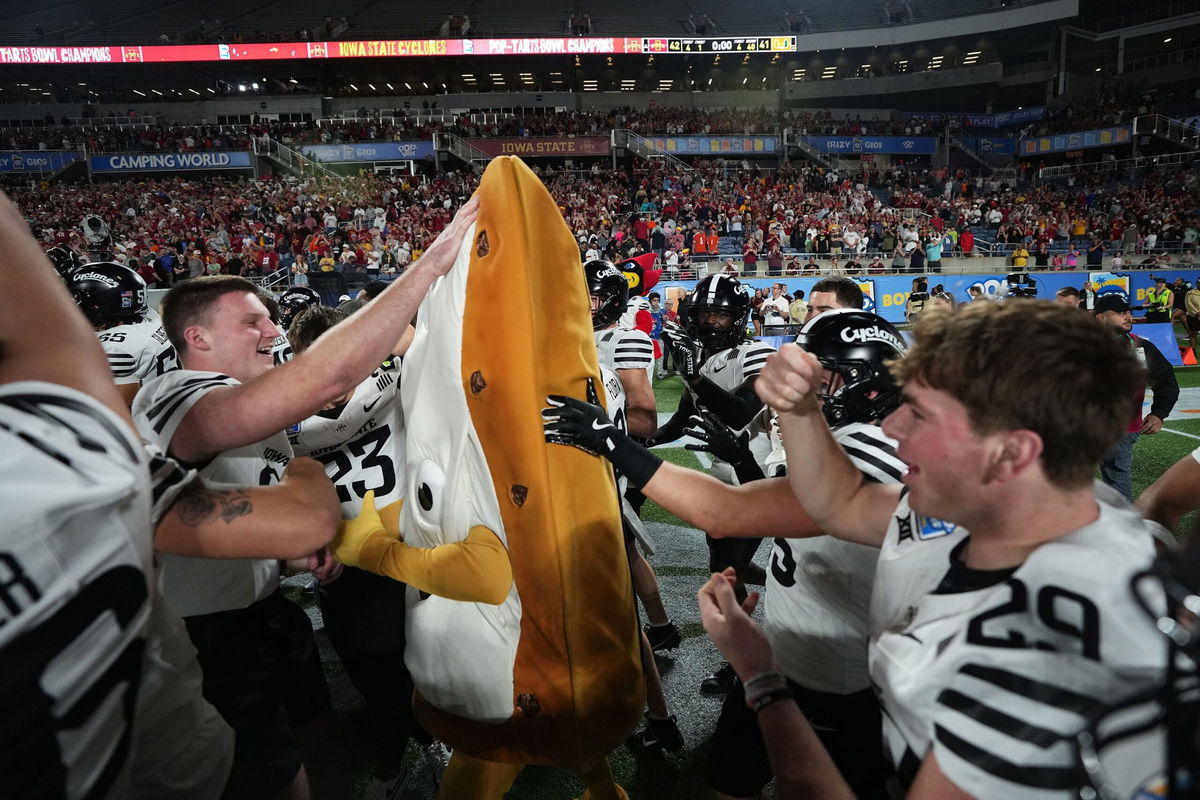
[(196, 586), (83, 630), (361, 443), (281, 350), (625, 348), (997, 680), (75, 563), (729, 369), (138, 352), (819, 589)]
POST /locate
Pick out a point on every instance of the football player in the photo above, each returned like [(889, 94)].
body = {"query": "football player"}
[(359, 437), (100, 686), (629, 355), (627, 351), (818, 588), (227, 410), (1000, 615), (719, 364), (113, 298)]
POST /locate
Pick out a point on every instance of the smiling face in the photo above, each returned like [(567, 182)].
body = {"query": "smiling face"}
[(947, 460), (235, 338)]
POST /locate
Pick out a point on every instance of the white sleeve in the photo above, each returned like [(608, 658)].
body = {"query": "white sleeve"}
[(163, 403), (634, 350), (754, 359)]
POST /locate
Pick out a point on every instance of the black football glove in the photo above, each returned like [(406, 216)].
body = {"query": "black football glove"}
[(717, 438), (586, 426), (685, 352)]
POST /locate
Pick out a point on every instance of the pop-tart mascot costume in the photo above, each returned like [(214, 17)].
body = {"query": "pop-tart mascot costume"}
[(522, 634)]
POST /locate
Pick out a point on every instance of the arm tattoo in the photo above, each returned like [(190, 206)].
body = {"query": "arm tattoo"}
[(201, 505)]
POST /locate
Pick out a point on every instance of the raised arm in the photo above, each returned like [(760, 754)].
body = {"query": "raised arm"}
[(832, 492), (231, 417), (43, 337)]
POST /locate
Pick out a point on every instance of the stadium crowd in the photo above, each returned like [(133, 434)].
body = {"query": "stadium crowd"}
[(796, 220), (107, 134)]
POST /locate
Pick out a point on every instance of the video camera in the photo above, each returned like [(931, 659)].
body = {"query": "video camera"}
[(1021, 284)]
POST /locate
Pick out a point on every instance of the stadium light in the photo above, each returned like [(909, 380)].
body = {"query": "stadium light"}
[(1167, 40), (292, 80), (140, 93), (390, 87), (193, 91), (355, 88), (406, 86), (241, 87), (254, 86), (210, 90), (744, 81)]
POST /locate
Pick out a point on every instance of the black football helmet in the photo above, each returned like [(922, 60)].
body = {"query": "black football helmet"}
[(611, 290), (718, 293), (64, 260), (108, 293), (295, 300), (855, 344)]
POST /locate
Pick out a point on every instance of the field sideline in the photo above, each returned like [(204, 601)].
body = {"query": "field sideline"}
[(681, 563)]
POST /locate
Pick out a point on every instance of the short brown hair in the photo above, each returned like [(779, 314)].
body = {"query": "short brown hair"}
[(847, 292), (188, 303), (310, 323), (1032, 365)]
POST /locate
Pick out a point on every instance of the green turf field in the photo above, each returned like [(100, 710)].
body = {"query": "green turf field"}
[(681, 563)]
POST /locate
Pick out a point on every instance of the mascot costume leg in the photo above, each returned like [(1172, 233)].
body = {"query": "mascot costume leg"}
[(522, 634)]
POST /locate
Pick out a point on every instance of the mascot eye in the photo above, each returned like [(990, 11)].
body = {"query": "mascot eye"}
[(430, 483)]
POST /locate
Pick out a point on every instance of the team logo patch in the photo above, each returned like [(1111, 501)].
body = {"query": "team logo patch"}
[(294, 429), (930, 528), (126, 299), (1152, 790)]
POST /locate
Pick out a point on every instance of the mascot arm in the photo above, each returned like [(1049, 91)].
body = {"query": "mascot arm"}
[(475, 570)]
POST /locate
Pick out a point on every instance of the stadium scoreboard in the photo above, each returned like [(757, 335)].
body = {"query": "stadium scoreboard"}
[(724, 44), (396, 48)]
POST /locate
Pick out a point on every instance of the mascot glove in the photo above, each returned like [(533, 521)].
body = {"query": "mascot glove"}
[(358, 540)]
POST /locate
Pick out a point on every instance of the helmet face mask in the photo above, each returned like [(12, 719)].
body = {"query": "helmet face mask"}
[(609, 291), (718, 313), (854, 346), (108, 293)]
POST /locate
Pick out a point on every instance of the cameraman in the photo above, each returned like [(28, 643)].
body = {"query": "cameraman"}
[(917, 299)]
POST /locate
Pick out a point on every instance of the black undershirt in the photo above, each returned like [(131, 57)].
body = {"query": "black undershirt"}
[(961, 578)]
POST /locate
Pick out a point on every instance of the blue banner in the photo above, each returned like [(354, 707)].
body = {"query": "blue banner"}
[(1080, 140), (999, 120), (36, 160), (716, 145), (1000, 145), (886, 295), (898, 145), (169, 162), (368, 151)]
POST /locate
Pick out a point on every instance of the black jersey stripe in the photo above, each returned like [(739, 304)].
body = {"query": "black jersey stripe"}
[(989, 717), (182, 398), (165, 474), (32, 404), (1037, 776), (873, 461), (169, 399), (878, 440), (1036, 691)]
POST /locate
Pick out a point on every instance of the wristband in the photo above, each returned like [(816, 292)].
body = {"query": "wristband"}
[(764, 682), (634, 462), (774, 696)]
